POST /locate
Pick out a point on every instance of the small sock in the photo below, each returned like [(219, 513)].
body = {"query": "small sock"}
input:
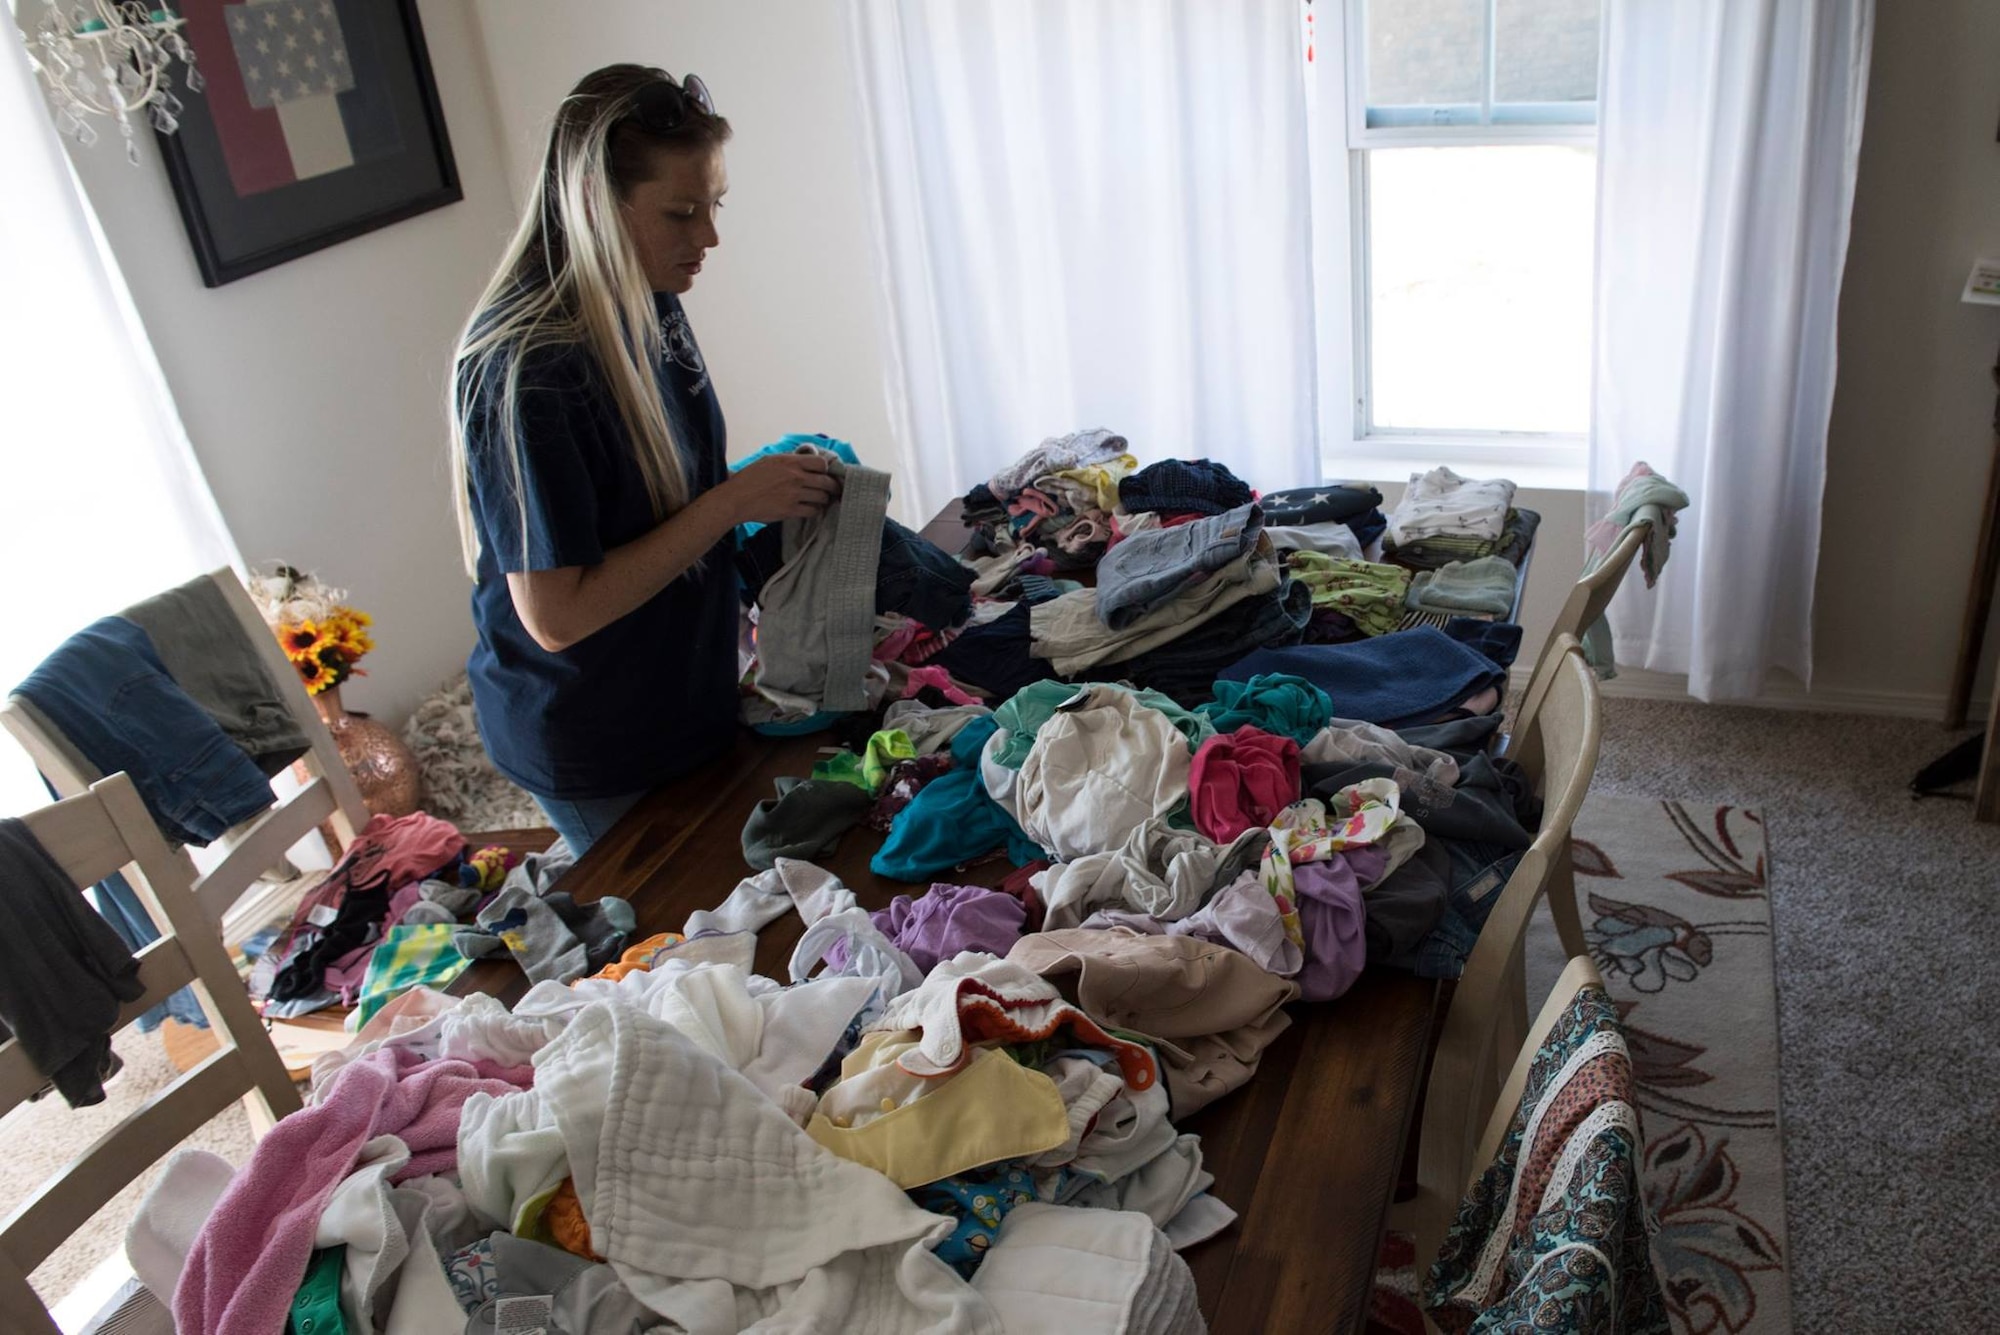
[(603, 926), (755, 901), (456, 900), (535, 935)]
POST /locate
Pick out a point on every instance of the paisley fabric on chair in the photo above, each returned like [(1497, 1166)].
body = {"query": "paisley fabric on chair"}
[(1555, 1234)]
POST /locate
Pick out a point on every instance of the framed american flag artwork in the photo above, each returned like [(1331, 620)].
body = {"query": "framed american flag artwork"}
[(318, 121)]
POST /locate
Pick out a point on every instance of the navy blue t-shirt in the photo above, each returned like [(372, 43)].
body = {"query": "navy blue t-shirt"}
[(652, 695)]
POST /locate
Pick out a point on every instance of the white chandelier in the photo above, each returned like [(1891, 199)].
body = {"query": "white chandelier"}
[(112, 58)]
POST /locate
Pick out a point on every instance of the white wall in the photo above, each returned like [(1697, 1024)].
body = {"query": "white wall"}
[(313, 392), (786, 309)]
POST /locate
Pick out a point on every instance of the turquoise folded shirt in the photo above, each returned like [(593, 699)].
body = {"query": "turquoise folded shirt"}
[(1484, 587)]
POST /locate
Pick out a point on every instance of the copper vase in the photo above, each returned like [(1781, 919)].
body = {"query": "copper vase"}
[(383, 768)]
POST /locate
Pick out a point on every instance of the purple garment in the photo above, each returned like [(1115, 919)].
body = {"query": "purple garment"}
[(1328, 895), (949, 918)]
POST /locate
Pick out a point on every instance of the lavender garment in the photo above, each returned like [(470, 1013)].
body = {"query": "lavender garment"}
[(1333, 919), (949, 918), (1242, 915)]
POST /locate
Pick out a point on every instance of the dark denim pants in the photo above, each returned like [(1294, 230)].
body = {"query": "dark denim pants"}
[(1149, 568), (106, 690)]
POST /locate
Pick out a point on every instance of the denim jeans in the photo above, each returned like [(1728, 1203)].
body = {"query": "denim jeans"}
[(1150, 567), (584, 821), (1478, 873), (918, 579), (106, 690)]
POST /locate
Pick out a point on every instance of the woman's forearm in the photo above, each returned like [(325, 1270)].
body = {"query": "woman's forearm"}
[(561, 607)]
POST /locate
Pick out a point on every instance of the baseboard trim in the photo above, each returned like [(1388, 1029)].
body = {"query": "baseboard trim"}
[(1635, 684)]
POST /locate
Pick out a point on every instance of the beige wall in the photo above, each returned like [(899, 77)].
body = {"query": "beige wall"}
[(313, 391), (786, 310), (1910, 444)]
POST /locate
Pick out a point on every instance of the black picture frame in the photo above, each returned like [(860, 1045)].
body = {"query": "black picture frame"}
[(235, 235)]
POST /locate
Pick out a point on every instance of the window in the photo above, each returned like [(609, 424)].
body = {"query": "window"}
[(1470, 131)]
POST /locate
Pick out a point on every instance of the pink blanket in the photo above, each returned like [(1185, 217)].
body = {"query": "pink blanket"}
[(252, 1253)]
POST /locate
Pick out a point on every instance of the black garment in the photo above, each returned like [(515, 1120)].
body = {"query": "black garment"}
[(653, 695), (1186, 668), (1404, 907), (63, 972), (1357, 506), (994, 656), (920, 580), (362, 909), (1184, 486), (1479, 807), (1298, 506)]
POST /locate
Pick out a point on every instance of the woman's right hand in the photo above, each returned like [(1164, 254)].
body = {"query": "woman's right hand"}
[(780, 487)]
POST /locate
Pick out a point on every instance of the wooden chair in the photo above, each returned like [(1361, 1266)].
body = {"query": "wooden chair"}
[(1487, 1018), (1593, 593), (1533, 743), (246, 852), (92, 835)]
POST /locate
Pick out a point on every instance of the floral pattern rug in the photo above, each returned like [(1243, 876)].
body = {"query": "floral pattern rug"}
[(1677, 914)]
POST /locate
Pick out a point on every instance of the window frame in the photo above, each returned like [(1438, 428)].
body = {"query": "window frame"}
[(1555, 456)]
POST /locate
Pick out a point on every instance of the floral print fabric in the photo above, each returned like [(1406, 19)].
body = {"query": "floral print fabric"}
[(1555, 1234)]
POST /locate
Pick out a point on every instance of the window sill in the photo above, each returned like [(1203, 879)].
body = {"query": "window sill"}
[(1367, 462)]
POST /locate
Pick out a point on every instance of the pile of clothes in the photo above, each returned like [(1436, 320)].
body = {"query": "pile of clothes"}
[(409, 904), (1465, 540), (910, 1133), (1222, 785)]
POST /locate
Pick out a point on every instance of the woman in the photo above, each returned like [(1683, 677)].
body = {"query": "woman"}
[(594, 503)]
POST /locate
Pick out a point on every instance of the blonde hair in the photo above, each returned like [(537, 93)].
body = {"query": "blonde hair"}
[(572, 277)]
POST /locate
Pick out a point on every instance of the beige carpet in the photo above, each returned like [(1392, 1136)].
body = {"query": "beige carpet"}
[(43, 1136), (1677, 914)]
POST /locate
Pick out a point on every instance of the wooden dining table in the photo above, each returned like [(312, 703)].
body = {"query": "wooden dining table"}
[(1307, 1153)]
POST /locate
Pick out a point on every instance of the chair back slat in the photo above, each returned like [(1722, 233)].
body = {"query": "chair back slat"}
[(1480, 1036), (102, 830)]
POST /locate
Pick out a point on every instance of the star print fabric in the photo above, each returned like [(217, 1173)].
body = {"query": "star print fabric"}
[(288, 50), (1300, 506)]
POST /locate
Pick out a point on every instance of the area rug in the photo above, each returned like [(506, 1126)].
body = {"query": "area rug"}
[(1677, 914)]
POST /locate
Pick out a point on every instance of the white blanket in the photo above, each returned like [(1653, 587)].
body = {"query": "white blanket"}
[(718, 1212)]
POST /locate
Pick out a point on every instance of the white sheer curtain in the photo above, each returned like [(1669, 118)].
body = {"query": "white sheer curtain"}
[(1728, 137), (1091, 215), (101, 500)]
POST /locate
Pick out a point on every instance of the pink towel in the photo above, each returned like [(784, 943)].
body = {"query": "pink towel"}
[(252, 1253)]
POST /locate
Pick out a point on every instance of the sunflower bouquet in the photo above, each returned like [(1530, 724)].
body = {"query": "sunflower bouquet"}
[(322, 636)]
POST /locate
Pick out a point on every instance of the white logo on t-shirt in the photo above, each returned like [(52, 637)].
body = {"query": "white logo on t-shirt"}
[(683, 349)]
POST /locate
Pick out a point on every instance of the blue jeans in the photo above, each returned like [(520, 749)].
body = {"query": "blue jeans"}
[(1151, 567), (106, 690), (582, 823)]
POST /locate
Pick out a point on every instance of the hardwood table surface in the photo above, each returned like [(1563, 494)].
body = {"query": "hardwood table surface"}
[(1307, 1153)]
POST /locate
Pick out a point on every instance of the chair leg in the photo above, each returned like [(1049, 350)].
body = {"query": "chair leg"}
[(1562, 904)]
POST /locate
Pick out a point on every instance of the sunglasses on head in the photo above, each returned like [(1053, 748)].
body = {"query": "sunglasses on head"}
[(666, 106)]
